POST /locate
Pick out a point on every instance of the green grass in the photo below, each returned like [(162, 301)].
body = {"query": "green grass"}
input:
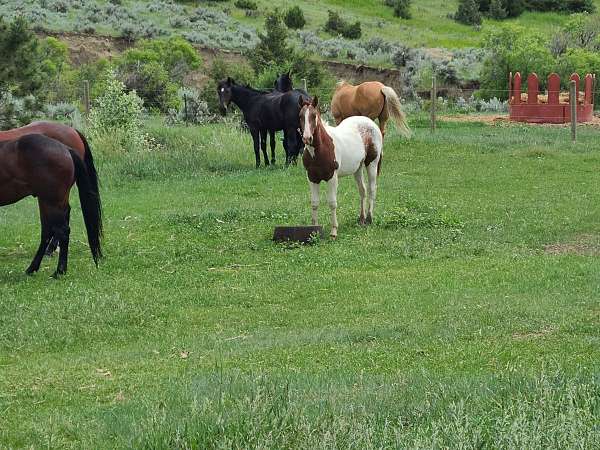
[(429, 26), (445, 324)]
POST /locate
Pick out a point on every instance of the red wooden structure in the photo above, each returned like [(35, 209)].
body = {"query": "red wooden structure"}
[(552, 107)]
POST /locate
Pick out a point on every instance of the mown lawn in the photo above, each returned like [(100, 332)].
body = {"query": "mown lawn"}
[(468, 315)]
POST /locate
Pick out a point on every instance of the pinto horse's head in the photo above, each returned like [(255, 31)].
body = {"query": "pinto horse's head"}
[(309, 119), (224, 92)]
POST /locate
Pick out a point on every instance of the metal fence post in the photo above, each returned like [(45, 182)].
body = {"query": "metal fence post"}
[(433, 102), (573, 100), (305, 86)]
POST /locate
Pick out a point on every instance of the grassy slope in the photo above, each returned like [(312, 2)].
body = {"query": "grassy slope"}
[(429, 27), (416, 336)]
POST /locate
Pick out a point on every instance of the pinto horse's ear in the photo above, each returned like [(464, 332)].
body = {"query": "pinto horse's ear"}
[(301, 102), (315, 101)]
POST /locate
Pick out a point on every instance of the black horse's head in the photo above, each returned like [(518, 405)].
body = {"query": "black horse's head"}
[(224, 90), (284, 82)]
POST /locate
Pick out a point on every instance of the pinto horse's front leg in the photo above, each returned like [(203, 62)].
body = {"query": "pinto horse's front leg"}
[(332, 186), (314, 202)]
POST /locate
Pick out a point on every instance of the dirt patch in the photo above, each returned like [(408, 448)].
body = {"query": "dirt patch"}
[(490, 119), (533, 334), (586, 245)]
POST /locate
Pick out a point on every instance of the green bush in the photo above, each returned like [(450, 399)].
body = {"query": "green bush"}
[(116, 111), (468, 12), (156, 69), (294, 18), (249, 5), (336, 25), (401, 8)]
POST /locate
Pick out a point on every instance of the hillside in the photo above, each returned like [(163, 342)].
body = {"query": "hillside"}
[(223, 25)]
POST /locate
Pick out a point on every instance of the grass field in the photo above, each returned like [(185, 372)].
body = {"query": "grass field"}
[(467, 316)]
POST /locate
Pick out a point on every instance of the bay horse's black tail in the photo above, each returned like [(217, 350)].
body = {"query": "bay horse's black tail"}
[(89, 162), (86, 178)]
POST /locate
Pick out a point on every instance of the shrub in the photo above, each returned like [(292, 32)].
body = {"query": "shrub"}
[(468, 12), (117, 111), (401, 8), (246, 4), (192, 108), (18, 111), (272, 46), (497, 10), (336, 25), (294, 18)]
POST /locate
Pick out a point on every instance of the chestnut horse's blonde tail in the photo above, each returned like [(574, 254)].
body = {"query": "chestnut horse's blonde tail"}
[(394, 109)]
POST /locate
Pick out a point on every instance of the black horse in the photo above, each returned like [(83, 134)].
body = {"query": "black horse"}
[(283, 83), (265, 113)]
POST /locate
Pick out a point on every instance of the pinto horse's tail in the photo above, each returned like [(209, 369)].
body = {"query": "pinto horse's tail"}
[(394, 109), (86, 178)]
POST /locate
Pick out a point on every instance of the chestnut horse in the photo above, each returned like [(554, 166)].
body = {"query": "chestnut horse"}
[(62, 133), (332, 152), (47, 169), (371, 99)]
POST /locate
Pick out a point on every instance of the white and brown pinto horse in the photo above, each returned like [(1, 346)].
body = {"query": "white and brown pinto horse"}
[(332, 152), (372, 99)]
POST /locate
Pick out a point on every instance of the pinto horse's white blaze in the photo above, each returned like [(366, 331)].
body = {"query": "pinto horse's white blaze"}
[(339, 151)]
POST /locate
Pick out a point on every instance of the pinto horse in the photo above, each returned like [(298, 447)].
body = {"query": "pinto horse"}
[(371, 99), (333, 152), (265, 113), (42, 167), (62, 133)]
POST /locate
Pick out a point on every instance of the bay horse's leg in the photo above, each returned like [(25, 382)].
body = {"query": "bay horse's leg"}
[(61, 232), (372, 176), (314, 202), (362, 192), (332, 186), (255, 138), (273, 143), (52, 246), (54, 242), (46, 236), (263, 145)]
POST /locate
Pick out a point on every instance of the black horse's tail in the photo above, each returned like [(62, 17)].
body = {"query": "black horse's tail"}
[(86, 178)]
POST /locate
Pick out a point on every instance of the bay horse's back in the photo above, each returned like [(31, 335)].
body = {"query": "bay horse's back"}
[(54, 130)]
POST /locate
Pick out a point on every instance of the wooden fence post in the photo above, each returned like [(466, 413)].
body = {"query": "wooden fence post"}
[(573, 99), (86, 97), (185, 108), (305, 86), (433, 102)]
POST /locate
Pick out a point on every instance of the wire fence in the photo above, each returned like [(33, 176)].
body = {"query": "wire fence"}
[(519, 108)]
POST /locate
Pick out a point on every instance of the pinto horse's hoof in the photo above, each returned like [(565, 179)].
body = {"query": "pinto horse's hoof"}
[(369, 220), (362, 221)]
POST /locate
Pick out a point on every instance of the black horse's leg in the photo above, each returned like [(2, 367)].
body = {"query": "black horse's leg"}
[(255, 138), (61, 233), (273, 142), (263, 145), (46, 236)]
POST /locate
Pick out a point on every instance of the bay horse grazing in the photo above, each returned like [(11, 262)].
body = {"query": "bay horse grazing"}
[(333, 152), (265, 113), (42, 167), (372, 99), (62, 133)]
